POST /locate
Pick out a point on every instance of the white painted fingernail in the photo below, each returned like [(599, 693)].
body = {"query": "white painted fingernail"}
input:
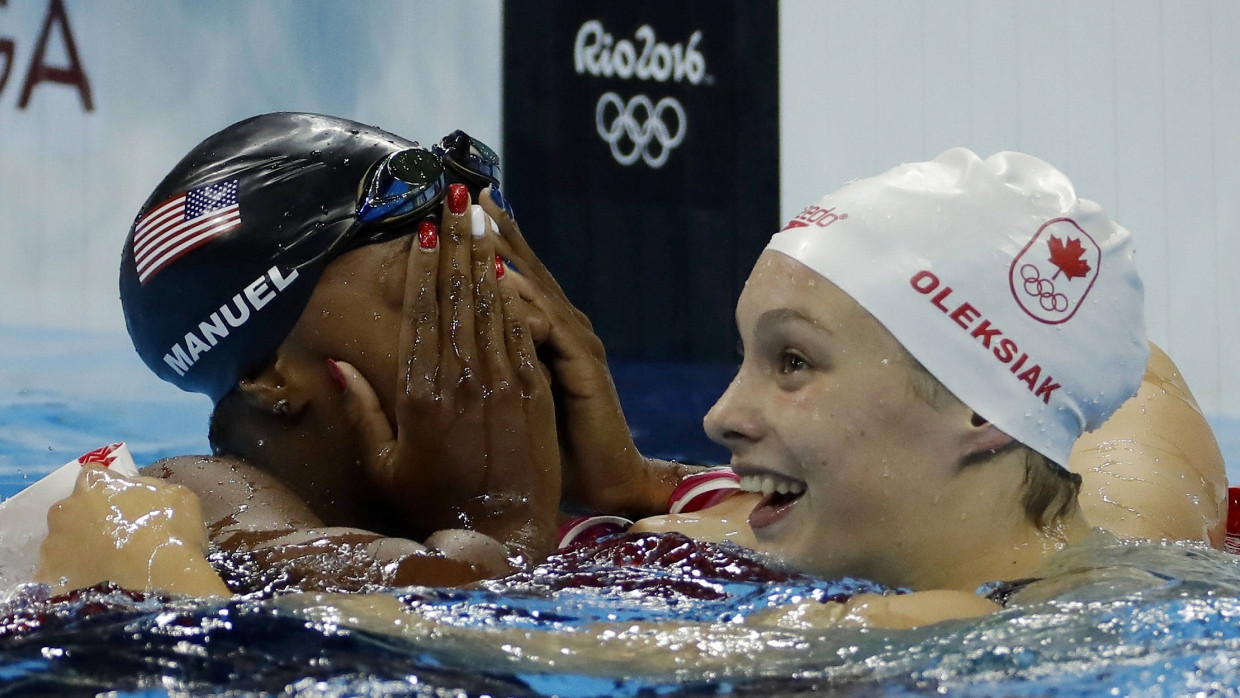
[(477, 221), (480, 223)]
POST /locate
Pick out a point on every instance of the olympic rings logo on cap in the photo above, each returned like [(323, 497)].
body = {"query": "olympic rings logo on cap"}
[(1055, 271), (1044, 289), (641, 122)]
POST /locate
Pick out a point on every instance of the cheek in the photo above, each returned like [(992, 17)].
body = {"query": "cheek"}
[(822, 429), (857, 457), (376, 347)]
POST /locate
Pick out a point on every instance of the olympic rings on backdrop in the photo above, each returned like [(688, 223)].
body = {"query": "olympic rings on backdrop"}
[(642, 123), (1043, 289)]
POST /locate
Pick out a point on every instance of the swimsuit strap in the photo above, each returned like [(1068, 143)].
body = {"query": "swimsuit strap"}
[(694, 493), (703, 490), (1001, 592), (588, 529)]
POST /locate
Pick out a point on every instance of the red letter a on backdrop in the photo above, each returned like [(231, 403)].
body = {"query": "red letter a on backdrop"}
[(40, 72)]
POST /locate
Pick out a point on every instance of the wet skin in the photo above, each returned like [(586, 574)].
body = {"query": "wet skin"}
[(357, 315), (598, 449), (1153, 470), (438, 426), (874, 485), (339, 488)]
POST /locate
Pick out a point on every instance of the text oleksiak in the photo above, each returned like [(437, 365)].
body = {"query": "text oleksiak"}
[(1004, 349)]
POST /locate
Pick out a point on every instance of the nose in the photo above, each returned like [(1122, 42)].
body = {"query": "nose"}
[(734, 421)]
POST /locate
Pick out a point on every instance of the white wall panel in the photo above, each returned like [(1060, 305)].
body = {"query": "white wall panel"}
[(994, 68), (1140, 149), (1136, 100), (1225, 137), (1189, 243), (944, 57), (898, 105)]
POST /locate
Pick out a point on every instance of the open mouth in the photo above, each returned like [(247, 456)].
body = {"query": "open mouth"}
[(779, 494)]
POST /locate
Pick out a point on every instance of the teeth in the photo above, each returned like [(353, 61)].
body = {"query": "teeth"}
[(767, 484)]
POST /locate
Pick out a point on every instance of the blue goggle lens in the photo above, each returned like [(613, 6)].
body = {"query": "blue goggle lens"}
[(403, 185), (407, 185)]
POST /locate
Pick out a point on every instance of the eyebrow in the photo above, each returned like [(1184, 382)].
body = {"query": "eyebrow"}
[(778, 316)]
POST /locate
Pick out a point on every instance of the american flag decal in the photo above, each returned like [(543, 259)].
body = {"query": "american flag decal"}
[(182, 223)]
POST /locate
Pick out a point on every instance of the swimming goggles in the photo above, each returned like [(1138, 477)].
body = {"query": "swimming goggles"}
[(407, 185)]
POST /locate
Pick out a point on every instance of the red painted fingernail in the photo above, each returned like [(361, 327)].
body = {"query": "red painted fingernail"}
[(499, 267), (428, 235), (337, 375), (458, 198)]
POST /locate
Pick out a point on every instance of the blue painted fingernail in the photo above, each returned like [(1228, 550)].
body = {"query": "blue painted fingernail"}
[(499, 199)]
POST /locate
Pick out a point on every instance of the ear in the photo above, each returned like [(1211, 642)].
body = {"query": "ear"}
[(983, 438), (274, 389)]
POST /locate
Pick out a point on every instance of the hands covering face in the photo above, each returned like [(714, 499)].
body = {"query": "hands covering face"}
[(602, 467), (474, 444)]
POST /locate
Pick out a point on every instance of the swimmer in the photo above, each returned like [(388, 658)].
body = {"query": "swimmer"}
[(912, 413), (292, 255), (333, 294), (1152, 470)]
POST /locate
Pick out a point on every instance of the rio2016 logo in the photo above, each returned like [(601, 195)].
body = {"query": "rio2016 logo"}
[(639, 128)]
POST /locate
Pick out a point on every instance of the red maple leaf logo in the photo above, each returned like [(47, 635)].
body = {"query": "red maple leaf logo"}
[(1068, 258)]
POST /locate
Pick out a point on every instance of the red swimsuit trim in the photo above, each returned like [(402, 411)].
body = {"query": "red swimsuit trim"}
[(694, 493)]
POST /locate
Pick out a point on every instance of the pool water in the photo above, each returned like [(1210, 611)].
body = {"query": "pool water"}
[(633, 615), (643, 615)]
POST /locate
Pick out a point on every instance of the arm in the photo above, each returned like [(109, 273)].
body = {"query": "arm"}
[(273, 542), (880, 611), (470, 446), (727, 521), (148, 533)]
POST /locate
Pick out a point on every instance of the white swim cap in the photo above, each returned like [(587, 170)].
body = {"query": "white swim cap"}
[(1021, 298)]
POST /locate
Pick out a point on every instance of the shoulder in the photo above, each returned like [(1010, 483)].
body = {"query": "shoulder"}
[(1154, 469), (235, 494)]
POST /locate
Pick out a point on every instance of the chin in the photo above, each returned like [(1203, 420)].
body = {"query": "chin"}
[(813, 557), (791, 554)]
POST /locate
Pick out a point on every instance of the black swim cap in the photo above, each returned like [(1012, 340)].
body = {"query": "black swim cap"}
[(226, 252)]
